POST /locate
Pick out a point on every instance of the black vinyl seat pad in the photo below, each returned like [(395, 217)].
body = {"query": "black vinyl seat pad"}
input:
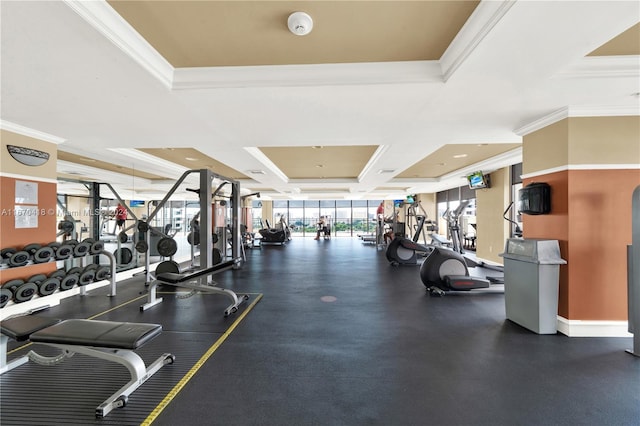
[(104, 334), (173, 278), (20, 328)]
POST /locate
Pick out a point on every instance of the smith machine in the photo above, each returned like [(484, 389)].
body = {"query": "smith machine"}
[(200, 279)]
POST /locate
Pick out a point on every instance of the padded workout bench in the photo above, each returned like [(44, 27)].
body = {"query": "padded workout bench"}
[(108, 340), (192, 281)]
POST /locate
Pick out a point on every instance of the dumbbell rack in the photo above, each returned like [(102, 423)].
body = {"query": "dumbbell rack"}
[(37, 302)]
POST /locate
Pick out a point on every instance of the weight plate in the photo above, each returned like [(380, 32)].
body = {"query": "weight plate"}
[(6, 253), (37, 278), (25, 292), (87, 277), (68, 282), (89, 241), (193, 238), (31, 248), (143, 226), (12, 285), (81, 249), (54, 245), (103, 273), (142, 246), (75, 270), (19, 258), (66, 226), (167, 246), (43, 254), (5, 296), (122, 237), (64, 252), (97, 247), (72, 242), (167, 266), (217, 256), (58, 273), (48, 286), (90, 267), (123, 256)]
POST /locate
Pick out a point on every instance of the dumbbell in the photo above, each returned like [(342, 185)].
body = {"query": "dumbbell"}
[(54, 245), (69, 281), (22, 291), (15, 257), (82, 249), (6, 253), (39, 253), (88, 275), (46, 285), (58, 273), (64, 252), (97, 247), (103, 273), (5, 296)]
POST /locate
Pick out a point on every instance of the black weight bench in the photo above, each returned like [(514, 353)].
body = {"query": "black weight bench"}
[(192, 280), (108, 340)]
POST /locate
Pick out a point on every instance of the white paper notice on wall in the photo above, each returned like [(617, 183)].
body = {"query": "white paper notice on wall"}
[(26, 192), (26, 216)]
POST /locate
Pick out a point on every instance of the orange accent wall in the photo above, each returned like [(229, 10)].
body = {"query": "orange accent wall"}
[(18, 238), (591, 218)]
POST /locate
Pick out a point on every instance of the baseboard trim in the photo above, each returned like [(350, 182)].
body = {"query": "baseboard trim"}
[(590, 328)]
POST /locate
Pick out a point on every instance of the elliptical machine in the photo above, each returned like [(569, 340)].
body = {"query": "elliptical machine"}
[(446, 270), (405, 251)]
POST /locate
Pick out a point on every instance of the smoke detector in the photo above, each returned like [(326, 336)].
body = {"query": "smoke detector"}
[(300, 23)]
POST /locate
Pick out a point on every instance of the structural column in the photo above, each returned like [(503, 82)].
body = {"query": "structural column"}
[(592, 165)]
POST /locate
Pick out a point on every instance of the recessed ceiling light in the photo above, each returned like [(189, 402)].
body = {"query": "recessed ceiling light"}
[(190, 159), (317, 147), (442, 164), (88, 160), (459, 155), (482, 144), (319, 166)]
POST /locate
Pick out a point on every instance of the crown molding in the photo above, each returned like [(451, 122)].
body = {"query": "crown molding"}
[(365, 73), (32, 133), (374, 158), (568, 167), (603, 67), (578, 111), (499, 161), (106, 21), (261, 157), (486, 15)]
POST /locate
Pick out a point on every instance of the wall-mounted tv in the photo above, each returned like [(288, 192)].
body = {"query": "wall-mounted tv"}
[(535, 198), (136, 203), (478, 180)]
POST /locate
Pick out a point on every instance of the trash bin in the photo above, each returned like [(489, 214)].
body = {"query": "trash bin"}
[(531, 280)]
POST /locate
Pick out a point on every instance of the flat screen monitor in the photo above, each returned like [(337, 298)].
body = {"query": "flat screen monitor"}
[(136, 203), (477, 180), (535, 198)]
